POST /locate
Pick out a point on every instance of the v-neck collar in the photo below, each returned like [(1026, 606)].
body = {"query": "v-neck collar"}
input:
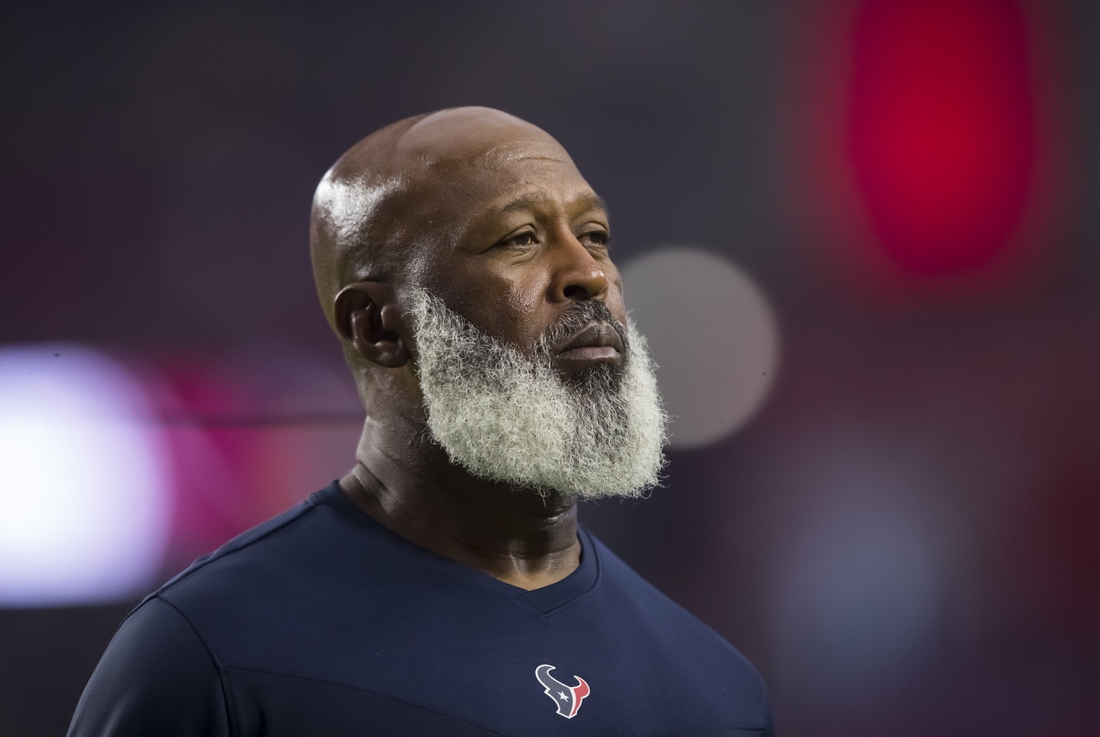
[(543, 600)]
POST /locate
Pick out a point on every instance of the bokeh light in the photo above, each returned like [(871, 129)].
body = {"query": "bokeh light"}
[(860, 597), (931, 148), (253, 432), (942, 128), (83, 479), (713, 335)]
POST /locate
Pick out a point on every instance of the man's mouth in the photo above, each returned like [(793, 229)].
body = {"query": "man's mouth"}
[(596, 342)]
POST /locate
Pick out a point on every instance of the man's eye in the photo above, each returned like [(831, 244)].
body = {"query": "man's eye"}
[(596, 237), (523, 239)]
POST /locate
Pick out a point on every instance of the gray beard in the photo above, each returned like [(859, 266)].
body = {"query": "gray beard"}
[(508, 417)]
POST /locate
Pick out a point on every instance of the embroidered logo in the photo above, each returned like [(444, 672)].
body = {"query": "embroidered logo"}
[(567, 698)]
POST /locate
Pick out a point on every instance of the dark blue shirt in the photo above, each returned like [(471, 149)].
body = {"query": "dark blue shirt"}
[(323, 622)]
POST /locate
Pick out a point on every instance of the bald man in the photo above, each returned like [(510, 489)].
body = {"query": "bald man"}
[(443, 586)]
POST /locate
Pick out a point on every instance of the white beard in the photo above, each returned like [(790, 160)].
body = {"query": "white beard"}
[(508, 417)]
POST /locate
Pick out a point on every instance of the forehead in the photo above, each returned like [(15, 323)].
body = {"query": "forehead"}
[(507, 178), (513, 180), (482, 151)]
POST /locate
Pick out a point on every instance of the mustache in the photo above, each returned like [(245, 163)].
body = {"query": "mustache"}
[(577, 317)]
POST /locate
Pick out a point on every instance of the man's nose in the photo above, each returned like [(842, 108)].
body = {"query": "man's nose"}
[(577, 274)]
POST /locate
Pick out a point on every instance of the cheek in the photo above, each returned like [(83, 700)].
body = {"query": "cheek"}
[(507, 305), (520, 312), (615, 301)]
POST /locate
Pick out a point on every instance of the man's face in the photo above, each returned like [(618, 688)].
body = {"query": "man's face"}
[(514, 240), (528, 368)]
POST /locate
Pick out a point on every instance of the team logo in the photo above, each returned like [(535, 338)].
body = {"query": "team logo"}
[(567, 698)]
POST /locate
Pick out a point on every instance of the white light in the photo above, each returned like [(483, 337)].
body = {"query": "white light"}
[(712, 334), (861, 603), (84, 491), (860, 597)]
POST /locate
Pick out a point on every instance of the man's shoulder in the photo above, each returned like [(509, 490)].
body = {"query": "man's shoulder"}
[(322, 605), (265, 543), (679, 629), (623, 582), (290, 558)]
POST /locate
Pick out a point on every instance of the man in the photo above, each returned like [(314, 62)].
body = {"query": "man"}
[(444, 586)]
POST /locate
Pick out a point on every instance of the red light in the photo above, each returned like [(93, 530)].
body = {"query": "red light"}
[(942, 129)]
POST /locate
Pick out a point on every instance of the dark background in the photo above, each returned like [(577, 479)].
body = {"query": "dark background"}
[(158, 165)]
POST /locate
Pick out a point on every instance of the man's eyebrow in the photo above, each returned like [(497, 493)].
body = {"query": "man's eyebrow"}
[(590, 201)]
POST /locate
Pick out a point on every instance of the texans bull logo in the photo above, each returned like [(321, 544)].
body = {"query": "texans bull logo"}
[(567, 698)]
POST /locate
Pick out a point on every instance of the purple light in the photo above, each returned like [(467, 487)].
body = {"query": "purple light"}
[(84, 479)]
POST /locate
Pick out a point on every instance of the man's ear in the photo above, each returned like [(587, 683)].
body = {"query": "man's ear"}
[(365, 314)]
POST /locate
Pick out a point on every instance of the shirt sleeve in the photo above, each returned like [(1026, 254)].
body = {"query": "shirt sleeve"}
[(156, 678)]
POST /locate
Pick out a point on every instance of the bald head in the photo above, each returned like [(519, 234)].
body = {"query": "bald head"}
[(392, 191)]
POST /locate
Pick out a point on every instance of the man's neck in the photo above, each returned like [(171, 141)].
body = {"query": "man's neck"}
[(514, 535)]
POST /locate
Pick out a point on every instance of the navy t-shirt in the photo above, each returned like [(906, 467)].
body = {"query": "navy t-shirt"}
[(323, 622)]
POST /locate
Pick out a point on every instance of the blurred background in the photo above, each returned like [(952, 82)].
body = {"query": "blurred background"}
[(861, 236)]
